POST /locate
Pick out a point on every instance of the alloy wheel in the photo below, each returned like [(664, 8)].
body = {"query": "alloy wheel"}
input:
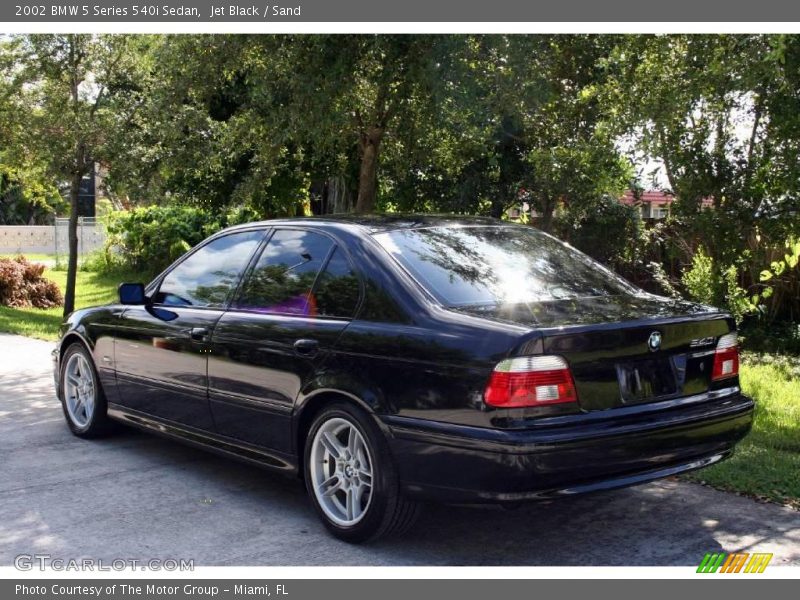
[(79, 390), (341, 471)]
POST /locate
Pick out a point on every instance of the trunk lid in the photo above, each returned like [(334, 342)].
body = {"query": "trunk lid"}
[(624, 350)]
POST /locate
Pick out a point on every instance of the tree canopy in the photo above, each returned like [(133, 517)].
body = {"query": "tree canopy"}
[(461, 123), (276, 125), (59, 115)]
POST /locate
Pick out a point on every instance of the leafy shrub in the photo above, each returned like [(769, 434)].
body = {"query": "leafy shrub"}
[(148, 239), (778, 338), (699, 279), (708, 283), (778, 287), (22, 285), (102, 260), (735, 298), (612, 233), (152, 237), (589, 230)]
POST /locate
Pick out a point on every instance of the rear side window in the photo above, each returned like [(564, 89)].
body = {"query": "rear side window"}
[(208, 276), (498, 265), (284, 275), (337, 289)]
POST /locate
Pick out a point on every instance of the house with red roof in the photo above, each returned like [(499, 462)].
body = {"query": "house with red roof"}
[(654, 204)]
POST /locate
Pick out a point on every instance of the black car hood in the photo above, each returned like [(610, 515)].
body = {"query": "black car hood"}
[(591, 310)]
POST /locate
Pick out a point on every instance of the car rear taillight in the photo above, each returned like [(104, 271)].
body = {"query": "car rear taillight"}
[(726, 358), (530, 381)]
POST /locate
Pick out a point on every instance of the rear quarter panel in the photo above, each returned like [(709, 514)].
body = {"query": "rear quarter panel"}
[(432, 367)]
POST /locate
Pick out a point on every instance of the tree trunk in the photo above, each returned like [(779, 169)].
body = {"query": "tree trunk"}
[(368, 173), (546, 222), (72, 233), (667, 160), (339, 199), (75, 185)]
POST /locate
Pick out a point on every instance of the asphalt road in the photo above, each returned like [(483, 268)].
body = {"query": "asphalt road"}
[(139, 496)]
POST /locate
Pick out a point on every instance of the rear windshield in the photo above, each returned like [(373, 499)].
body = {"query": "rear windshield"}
[(498, 265)]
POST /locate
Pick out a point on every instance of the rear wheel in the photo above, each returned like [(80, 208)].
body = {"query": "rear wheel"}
[(82, 397), (350, 477)]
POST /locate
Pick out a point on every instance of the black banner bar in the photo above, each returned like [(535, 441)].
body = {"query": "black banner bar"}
[(268, 11), (397, 589)]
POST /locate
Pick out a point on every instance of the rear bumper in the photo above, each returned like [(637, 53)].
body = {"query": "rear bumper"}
[(567, 455)]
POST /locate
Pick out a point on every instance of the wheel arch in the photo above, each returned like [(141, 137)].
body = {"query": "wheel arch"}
[(311, 406), (71, 337)]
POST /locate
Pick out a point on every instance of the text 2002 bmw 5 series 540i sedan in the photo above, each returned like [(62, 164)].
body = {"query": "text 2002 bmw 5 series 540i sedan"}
[(389, 359)]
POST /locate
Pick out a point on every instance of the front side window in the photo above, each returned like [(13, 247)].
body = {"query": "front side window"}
[(208, 276), (285, 273), (495, 265)]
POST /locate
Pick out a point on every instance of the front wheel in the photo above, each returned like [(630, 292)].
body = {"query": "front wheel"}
[(81, 396), (351, 479)]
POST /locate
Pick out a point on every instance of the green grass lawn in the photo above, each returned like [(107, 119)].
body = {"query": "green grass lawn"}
[(767, 463), (90, 289)]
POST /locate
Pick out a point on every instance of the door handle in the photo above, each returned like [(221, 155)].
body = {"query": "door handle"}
[(306, 347), (199, 334)]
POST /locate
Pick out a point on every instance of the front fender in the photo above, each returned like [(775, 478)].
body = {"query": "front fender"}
[(95, 329), (72, 329)]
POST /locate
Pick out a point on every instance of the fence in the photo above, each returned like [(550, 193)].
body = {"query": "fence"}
[(51, 239), (27, 239), (91, 236)]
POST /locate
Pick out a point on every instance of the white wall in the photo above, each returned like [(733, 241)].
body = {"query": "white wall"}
[(41, 239), (38, 239)]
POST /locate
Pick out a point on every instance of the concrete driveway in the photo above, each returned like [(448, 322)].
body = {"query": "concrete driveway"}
[(138, 496)]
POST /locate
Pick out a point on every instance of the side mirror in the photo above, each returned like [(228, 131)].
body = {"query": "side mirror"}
[(132, 293)]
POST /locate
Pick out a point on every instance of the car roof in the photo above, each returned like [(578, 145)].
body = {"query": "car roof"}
[(376, 223)]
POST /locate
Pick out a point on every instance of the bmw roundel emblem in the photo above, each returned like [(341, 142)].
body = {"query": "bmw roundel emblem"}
[(654, 342)]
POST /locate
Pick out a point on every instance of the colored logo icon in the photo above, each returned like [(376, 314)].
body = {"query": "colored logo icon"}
[(736, 562)]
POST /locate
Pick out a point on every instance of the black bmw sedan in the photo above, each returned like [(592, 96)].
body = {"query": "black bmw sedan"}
[(390, 359)]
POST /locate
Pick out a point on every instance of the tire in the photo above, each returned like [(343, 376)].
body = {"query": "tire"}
[(82, 398), (352, 510)]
